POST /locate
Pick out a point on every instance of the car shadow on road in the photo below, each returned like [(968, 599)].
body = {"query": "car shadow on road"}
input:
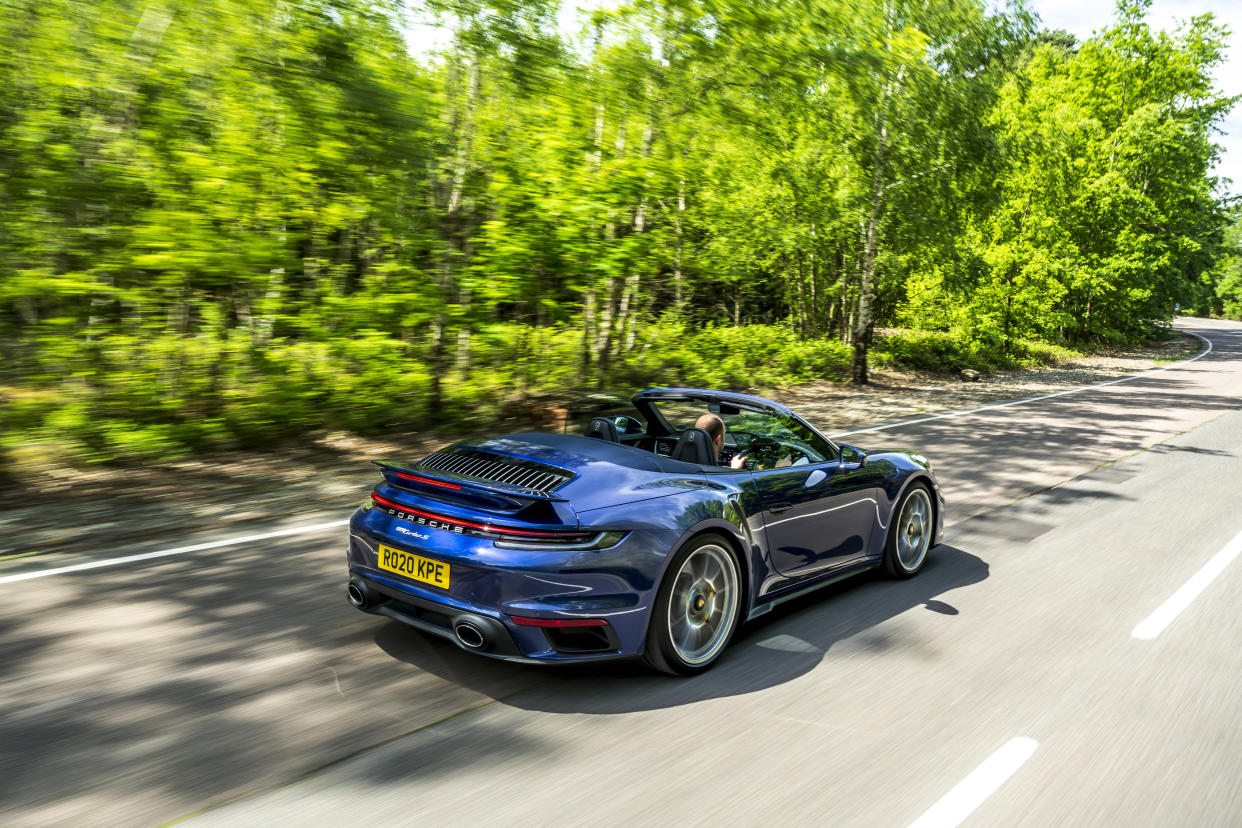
[(776, 648)]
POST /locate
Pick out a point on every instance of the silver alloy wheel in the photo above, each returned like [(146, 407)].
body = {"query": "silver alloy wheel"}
[(703, 604), (914, 529)]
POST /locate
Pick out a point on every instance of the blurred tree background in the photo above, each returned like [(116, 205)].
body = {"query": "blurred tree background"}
[(224, 223)]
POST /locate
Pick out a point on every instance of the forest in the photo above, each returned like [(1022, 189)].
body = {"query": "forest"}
[(233, 222)]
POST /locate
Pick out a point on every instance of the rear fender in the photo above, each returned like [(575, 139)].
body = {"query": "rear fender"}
[(682, 516), (744, 546)]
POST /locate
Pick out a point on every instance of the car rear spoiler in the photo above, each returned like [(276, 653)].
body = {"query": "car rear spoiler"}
[(413, 474)]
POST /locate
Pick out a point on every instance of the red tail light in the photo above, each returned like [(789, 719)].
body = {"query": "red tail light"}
[(427, 481), (417, 515)]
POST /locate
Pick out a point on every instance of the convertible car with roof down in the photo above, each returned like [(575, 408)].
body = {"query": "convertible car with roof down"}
[(634, 536)]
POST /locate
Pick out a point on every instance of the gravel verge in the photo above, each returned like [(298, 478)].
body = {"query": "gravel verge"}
[(895, 395)]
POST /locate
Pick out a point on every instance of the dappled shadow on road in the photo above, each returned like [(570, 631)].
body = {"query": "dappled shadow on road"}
[(1165, 448), (1061, 495), (138, 695), (1009, 453), (788, 642)]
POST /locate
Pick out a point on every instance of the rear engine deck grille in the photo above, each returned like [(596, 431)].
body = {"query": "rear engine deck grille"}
[(495, 471)]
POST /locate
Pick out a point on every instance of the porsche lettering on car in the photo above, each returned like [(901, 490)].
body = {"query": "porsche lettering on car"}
[(634, 534)]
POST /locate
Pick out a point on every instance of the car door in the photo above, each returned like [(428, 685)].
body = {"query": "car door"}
[(817, 516)]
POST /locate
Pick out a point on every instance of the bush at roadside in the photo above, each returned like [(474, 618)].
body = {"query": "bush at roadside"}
[(130, 399)]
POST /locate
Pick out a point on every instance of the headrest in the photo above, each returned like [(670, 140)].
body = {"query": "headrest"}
[(695, 446), (602, 428)]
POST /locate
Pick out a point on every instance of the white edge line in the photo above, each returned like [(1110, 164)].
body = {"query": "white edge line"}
[(1077, 390), (163, 553), (982, 782), (1155, 623)]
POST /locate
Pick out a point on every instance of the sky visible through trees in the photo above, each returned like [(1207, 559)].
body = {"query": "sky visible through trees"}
[(224, 223)]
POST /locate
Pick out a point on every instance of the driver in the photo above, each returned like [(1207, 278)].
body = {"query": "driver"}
[(715, 427)]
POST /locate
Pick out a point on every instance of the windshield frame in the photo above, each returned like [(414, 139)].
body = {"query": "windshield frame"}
[(645, 403)]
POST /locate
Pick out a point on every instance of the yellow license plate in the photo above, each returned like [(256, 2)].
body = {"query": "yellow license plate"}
[(414, 566)]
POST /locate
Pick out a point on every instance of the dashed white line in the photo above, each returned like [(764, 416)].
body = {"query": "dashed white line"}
[(1155, 623), (164, 553), (951, 414), (982, 782)]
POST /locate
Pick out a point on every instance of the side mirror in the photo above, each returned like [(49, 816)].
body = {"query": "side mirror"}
[(852, 457)]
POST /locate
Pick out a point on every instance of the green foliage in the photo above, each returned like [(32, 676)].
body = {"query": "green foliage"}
[(952, 351), (1222, 289), (1105, 217), (160, 397), (932, 351), (748, 356), (228, 223)]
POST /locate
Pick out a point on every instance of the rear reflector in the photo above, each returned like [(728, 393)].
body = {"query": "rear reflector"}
[(558, 622)]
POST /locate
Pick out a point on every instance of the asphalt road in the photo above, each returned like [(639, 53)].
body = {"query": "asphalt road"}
[(1005, 679)]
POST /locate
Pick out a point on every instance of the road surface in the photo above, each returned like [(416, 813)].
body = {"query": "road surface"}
[(1070, 655)]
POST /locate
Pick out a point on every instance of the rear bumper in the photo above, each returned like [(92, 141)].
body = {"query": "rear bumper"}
[(494, 585), (501, 636), (433, 617)]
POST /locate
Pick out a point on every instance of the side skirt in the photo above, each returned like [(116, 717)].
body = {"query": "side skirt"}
[(840, 575)]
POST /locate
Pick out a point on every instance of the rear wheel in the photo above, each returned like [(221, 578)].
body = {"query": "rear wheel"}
[(910, 534), (696, 608)]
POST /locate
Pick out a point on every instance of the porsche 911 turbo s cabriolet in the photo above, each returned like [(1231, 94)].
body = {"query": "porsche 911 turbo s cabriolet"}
[(635, 536)]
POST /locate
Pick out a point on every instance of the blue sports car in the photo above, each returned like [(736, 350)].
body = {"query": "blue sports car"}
[(653, 532)]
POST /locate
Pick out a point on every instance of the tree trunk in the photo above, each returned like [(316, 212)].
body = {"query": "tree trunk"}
[(435, 394), (607, 312), (863, 322), (453, 237), (629, 294), (462, 360), (590, 326), (588, 330), (813, 314), (679, 288)]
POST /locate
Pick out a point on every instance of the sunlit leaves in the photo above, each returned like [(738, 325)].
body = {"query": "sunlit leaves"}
[(282, 197)]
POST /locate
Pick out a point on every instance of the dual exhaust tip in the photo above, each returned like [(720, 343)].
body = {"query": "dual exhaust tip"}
[(359, 595), (469, 636), (474, 632)]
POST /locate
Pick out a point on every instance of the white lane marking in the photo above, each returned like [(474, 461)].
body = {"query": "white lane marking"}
[(983, 781), (1155, 623), (1077, 390), (163, 553)]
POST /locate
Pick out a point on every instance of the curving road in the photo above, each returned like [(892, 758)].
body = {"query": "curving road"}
[(1071, 657)]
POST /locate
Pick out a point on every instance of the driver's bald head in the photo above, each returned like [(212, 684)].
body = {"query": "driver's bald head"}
[(712, 424)]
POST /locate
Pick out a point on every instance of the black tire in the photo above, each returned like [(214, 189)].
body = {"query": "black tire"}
[(910, 532), (692, 594)]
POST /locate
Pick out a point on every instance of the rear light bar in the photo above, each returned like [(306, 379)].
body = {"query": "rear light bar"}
[(524, 621), (427, 481), (452, 524)]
